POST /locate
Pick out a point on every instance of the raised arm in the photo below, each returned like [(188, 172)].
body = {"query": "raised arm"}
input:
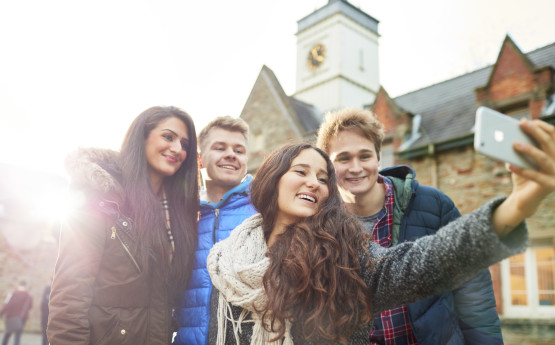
[(471, 243), (413, 270)]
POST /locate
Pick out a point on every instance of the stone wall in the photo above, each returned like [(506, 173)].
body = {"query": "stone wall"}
[(270, 121)]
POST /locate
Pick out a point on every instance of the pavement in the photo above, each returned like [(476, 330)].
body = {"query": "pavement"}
[(508, 337), (26, 339)]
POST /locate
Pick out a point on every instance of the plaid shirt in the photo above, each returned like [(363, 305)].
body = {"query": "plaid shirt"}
[(393, 326)]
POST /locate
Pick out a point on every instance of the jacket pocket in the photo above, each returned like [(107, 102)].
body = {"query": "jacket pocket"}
[(125, 246), (109, 335)]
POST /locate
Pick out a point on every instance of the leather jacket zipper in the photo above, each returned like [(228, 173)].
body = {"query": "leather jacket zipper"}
[(113, 236)]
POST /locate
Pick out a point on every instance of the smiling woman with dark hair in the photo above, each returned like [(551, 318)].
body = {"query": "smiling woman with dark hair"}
[(126, 254), (302, 272)]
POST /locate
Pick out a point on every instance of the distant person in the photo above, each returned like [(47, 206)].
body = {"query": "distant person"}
[(44, 313), (224, 204), (126, 254), (395, 208), (16, 311)]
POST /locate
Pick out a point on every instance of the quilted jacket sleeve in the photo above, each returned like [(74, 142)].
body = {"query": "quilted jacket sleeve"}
[(475, 307)]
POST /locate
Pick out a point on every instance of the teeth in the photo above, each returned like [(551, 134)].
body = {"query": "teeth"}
[(309, 198), (228, 167)]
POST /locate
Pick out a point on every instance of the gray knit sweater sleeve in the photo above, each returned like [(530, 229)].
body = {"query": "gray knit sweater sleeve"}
[(457, 252)]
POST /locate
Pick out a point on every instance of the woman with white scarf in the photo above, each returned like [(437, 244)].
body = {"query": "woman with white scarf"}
[(303, 272)]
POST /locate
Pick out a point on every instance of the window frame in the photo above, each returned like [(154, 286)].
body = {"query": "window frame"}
[(533, 310)]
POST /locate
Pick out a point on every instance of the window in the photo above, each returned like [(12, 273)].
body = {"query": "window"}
[(545, 267), (518, 280), (528, 283)]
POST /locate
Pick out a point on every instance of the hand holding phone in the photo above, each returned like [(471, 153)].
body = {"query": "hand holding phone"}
[(495, 134)]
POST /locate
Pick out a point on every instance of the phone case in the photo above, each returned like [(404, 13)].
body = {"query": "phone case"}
[(494, 136)]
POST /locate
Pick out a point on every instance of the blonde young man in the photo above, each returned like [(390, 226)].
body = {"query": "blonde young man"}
[(224, 204), (395, 208)]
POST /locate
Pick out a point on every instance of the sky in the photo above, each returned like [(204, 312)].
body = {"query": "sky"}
[(75, 73)]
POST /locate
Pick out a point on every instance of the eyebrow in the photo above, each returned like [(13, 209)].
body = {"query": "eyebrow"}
[(169, 130), (361, 151), (225, 143)]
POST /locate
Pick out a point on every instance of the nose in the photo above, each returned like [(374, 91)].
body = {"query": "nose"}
[(229, 153), (354, 166), (176, 146), (312, 182)]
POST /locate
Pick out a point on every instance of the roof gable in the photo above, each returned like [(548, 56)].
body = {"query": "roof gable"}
[(275, 118), (267, 98), (448, 108), (512, 75), (388, 112), (510, 62)]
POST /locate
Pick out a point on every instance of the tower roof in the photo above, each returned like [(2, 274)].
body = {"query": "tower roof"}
[(342, 7)]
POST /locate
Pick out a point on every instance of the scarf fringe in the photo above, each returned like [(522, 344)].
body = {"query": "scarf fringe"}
[(259, 335), (236, 266)]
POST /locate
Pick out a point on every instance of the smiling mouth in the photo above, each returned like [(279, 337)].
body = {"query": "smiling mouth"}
[(354, 179), (229, 167), (307, 197), (172, 159)]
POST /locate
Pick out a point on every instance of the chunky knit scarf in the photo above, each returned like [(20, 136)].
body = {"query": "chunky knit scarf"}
[(236, 266)]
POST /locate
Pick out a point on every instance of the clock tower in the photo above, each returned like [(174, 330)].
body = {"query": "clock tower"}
[(337, 57)]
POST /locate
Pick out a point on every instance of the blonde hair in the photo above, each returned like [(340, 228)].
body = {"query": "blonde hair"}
[(225, 122), (362, 121)]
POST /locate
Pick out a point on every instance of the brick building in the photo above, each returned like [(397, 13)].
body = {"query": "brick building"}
[(432, 129)]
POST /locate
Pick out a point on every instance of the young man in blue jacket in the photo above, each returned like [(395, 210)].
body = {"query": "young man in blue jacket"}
[(395, 208), (224, 204)]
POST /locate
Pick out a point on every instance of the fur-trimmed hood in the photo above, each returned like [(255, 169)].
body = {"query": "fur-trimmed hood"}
[(96, 170)]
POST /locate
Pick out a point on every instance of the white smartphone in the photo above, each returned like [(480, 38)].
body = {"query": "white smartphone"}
[(495, 134)]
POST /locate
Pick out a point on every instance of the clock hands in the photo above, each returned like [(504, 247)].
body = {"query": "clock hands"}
[(316, 56)]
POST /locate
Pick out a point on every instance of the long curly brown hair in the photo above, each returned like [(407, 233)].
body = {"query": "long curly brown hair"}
[(313, 279)]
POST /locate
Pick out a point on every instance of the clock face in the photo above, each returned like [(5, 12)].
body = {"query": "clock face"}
[(316, 56)]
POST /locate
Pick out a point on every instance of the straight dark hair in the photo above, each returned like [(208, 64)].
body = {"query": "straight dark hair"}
[(313, 278), (145, 208)]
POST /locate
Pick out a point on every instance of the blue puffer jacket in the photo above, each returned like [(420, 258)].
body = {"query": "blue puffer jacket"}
[(465, 315), (215, 224)]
